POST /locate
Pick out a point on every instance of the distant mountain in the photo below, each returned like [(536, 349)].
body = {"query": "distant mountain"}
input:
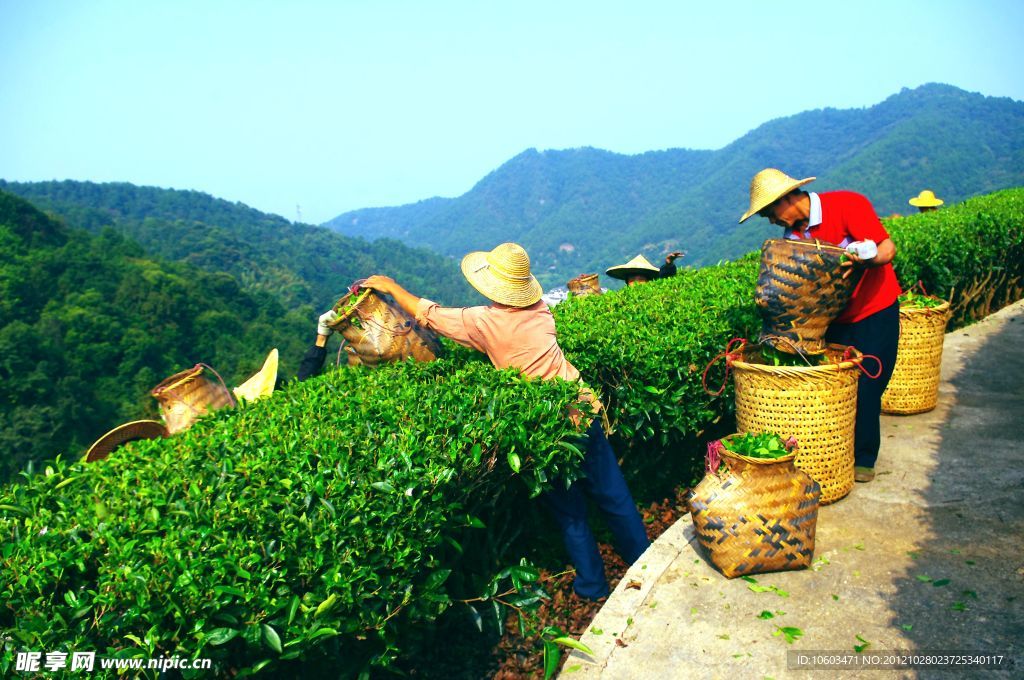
[(89, 324), (586, 209), (303, 265)]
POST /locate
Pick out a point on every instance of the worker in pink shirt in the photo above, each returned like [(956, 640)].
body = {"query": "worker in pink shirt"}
[(517, 330)]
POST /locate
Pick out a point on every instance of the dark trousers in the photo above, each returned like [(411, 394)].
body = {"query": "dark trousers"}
[(877, 335), (605, 485)]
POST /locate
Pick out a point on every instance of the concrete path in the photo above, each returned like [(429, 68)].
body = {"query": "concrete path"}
[(928, 557)]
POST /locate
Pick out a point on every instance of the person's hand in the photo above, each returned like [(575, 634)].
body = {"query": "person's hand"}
[(381, 284), (323, 324), (575, 416), (850, 263), (671, 257)]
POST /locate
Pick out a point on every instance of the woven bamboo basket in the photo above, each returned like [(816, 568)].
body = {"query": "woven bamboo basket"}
[(585, 284), (377, 330), (122, 434), (815, 404), (760, 515), (188, 395), (800, 291), (914, 386)]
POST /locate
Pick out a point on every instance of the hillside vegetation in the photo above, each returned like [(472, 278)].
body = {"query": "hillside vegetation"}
[(89, 324), (304, 266), (581, 210), (331, 521)]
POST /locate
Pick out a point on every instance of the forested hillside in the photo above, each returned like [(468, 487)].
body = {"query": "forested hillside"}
[(90, 323), (585, 209), (304, 265)]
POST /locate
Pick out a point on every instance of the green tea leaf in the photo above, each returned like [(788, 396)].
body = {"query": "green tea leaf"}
[(271, 637)]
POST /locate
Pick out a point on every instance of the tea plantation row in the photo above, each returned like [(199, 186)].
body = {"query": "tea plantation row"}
[(325, 522)]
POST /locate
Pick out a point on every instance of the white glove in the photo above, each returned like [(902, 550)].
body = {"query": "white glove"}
[(865, 250), (328, 317)]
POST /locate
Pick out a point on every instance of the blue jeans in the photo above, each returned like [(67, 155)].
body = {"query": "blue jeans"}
[(604, 484)]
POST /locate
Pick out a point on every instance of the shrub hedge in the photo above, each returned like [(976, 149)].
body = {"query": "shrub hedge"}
[(335, 510), (333, 516)]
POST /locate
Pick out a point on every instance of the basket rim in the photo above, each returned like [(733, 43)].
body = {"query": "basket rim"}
[(944, 308), (854, 361), (361, 296), (178, 379), (812, 244), (726, 453)]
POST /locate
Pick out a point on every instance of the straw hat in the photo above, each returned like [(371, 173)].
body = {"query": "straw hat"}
[(638, 266), (926, 199), (122, 434), (768, 186), (503, 275)]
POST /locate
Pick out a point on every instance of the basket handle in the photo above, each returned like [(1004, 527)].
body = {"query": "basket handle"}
[(847, 355), (231, 399), (730, 357), (919, 284), (337, 361), (792, 344)]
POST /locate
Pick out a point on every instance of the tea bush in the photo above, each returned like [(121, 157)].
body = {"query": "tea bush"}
[(972, 251), (335, 510), (330, 518)]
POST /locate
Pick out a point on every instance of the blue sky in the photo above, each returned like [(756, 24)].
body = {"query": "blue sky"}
[(324, 107)]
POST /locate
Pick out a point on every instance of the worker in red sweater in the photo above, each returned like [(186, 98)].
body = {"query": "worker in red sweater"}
[(871, 321)]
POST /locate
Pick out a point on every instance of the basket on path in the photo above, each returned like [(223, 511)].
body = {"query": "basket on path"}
[(189, 394), (816, 404), (584, 284), (377, 330), (914, 386), (800, 291), (759, 515)]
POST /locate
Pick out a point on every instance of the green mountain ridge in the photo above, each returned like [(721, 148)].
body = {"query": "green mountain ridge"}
[(586, 209), (306, 266)]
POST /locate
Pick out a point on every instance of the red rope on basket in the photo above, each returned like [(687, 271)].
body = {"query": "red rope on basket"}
[(847, 355), (730, 358)]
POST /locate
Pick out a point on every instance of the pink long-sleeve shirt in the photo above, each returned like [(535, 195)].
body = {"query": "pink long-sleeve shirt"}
[(517, 337)]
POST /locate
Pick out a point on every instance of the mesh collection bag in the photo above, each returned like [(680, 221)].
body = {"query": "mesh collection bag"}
[(189, 394), (800, 291), (377, 330), (585, 284), (755, 515)]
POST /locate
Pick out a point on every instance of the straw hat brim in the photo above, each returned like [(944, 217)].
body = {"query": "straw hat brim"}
[(623, 272), (919, 202), (122, 434), (769, 197), (638, 266), (477, 271)]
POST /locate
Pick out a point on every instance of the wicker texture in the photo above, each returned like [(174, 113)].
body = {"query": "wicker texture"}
[(759, 516), (914, 386), (122, 434), (815, 404), (503, 275), (188, 395), (377, 330), (585, 284), (800, 291)]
